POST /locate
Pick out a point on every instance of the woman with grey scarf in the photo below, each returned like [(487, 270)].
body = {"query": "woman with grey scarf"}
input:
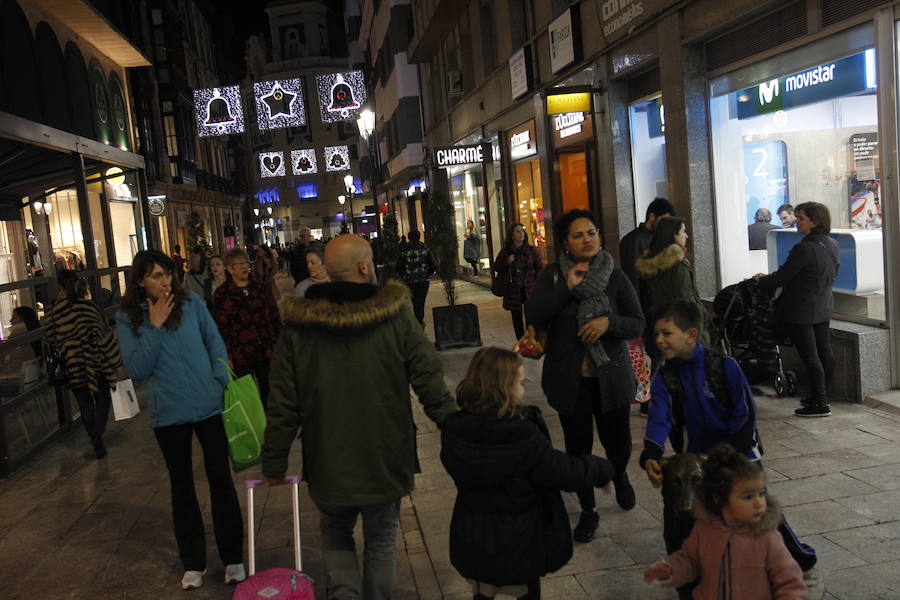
[(589, 310)]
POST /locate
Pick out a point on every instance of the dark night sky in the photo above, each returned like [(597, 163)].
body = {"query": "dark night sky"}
[(232, 27)]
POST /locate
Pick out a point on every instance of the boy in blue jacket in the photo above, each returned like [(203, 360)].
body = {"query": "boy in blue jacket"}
[(707, 395)]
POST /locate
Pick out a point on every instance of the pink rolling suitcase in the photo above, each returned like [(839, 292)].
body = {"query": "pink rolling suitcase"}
[(275, 584)]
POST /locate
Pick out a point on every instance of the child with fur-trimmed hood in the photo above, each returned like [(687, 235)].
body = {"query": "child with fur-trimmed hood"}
[(735, 549)]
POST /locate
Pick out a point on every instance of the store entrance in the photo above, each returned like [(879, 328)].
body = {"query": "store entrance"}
[(574, 181)]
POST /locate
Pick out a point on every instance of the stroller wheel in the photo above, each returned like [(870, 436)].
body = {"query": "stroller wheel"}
[(792, 383), (780, 383)]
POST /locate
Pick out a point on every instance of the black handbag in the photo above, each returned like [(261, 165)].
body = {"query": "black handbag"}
[(57, 374), (501, 284)]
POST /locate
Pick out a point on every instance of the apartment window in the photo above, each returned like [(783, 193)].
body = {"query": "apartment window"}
[(156, 15), (559, 7), (171, 135), (488, 36), (293, 37), (167, 106), (518, 22), (173, 168), (163, 75), (161, 54)]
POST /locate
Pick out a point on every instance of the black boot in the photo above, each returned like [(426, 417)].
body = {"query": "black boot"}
[(624, 492), (586, 530), (99, 448)]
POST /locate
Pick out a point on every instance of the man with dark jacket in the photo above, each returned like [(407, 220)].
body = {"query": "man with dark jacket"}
[(415, 266), (631, 248), (297, 261), (341, 373), (761, 226)]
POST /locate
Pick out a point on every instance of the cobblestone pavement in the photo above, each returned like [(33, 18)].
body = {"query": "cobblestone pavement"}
[(75, 527)]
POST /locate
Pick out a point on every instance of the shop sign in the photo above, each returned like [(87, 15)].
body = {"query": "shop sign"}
[(571, 128), (568, 103), (522, 141), (620, 17), (156, 206), (454, 156), (520, 72), (564, 40), (845, 77)]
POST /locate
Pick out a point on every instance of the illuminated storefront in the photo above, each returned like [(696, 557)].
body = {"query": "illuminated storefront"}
[(526, 184)]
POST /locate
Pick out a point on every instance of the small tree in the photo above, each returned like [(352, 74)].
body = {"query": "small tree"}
[(390, 247), (441, 239), (196, 234)]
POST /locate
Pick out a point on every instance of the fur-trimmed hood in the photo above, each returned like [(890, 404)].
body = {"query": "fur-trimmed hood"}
[(345, 306), (651, 266), (769, 521)]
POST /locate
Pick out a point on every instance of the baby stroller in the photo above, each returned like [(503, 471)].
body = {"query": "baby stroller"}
[(744, 316)]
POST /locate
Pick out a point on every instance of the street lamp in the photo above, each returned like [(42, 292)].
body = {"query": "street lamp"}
[(366, 125), (351, 190), (341, 199)]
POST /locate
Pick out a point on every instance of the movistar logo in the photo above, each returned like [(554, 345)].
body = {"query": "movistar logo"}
[(768, 92)]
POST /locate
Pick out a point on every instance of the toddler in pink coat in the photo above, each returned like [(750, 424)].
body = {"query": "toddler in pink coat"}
[(734, 549)]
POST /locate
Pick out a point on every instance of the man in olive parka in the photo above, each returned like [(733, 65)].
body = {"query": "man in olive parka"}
[(341, 375)]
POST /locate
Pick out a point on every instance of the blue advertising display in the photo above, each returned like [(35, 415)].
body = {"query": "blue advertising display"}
[(765, 178), (848, 76), (846, 280)]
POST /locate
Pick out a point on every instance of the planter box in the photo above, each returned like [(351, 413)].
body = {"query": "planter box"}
[(456, 326)]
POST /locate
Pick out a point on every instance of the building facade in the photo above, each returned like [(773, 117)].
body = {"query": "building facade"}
[(299, 158), (72, 190), (723, 108)]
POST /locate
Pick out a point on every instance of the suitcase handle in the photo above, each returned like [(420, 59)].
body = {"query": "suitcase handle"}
[(294, 481)]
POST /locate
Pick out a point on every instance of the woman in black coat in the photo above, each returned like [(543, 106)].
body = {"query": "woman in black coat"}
[(805, 304), (509, 525), (589, 310)]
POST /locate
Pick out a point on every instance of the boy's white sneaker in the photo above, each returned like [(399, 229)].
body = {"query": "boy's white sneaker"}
[(192, 579), (235, 573)]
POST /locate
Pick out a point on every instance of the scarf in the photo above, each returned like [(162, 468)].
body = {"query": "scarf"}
[(591, 296)]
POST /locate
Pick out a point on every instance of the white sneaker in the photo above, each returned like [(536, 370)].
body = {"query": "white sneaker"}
[(235, 573), (815, 584), (192, 579)]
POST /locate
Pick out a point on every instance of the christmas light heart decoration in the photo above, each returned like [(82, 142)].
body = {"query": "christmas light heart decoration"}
[(271, 164)]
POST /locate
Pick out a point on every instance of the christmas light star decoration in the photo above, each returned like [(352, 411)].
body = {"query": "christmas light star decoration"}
[(337, 158), (218, 111), (279, 103), (271, 164), (341, 95), (303, 161)]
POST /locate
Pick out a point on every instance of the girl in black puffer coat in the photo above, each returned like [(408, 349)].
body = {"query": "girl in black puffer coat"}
[(509, 524)]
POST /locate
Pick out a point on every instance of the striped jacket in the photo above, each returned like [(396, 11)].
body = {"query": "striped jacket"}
[(86, 343)]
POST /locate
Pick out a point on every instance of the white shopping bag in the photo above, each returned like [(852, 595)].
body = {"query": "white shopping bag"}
[(124, 400)]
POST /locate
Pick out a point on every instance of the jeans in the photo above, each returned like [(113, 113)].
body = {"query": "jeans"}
[(175, 442), (612, 428), (813, 343), (260, 371), (380, 522), (419, 290), (94, 407)]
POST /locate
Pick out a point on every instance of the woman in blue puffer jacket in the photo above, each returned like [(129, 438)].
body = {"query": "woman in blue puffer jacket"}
[(169, 340)]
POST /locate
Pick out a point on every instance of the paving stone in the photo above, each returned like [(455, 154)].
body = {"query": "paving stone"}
[(886, 477), (806, 443), (601, 553), (870, 582), (819, 463), (874, 543), (814, 489), (821, 517), (831, 557), (622, 585), (880, 506)]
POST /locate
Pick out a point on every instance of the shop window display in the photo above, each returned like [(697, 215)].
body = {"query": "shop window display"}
[(806, 135), (467, 196), (648, 153), (530, 204)]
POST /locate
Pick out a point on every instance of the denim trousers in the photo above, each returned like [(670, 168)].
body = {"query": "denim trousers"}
[(176, 441), (380, 522)]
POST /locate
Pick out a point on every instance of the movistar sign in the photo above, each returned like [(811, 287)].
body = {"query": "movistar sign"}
[(852, 75)]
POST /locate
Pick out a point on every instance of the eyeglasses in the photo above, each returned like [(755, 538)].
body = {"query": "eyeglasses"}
[(160, 275), (243, 264)]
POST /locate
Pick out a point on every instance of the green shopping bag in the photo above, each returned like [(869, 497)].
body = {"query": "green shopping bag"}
[(245, 421)]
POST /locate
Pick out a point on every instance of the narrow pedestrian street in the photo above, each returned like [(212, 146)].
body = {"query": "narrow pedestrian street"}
[(75, 527)]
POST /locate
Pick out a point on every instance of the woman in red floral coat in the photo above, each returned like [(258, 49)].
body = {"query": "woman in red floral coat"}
[(247, 315)]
